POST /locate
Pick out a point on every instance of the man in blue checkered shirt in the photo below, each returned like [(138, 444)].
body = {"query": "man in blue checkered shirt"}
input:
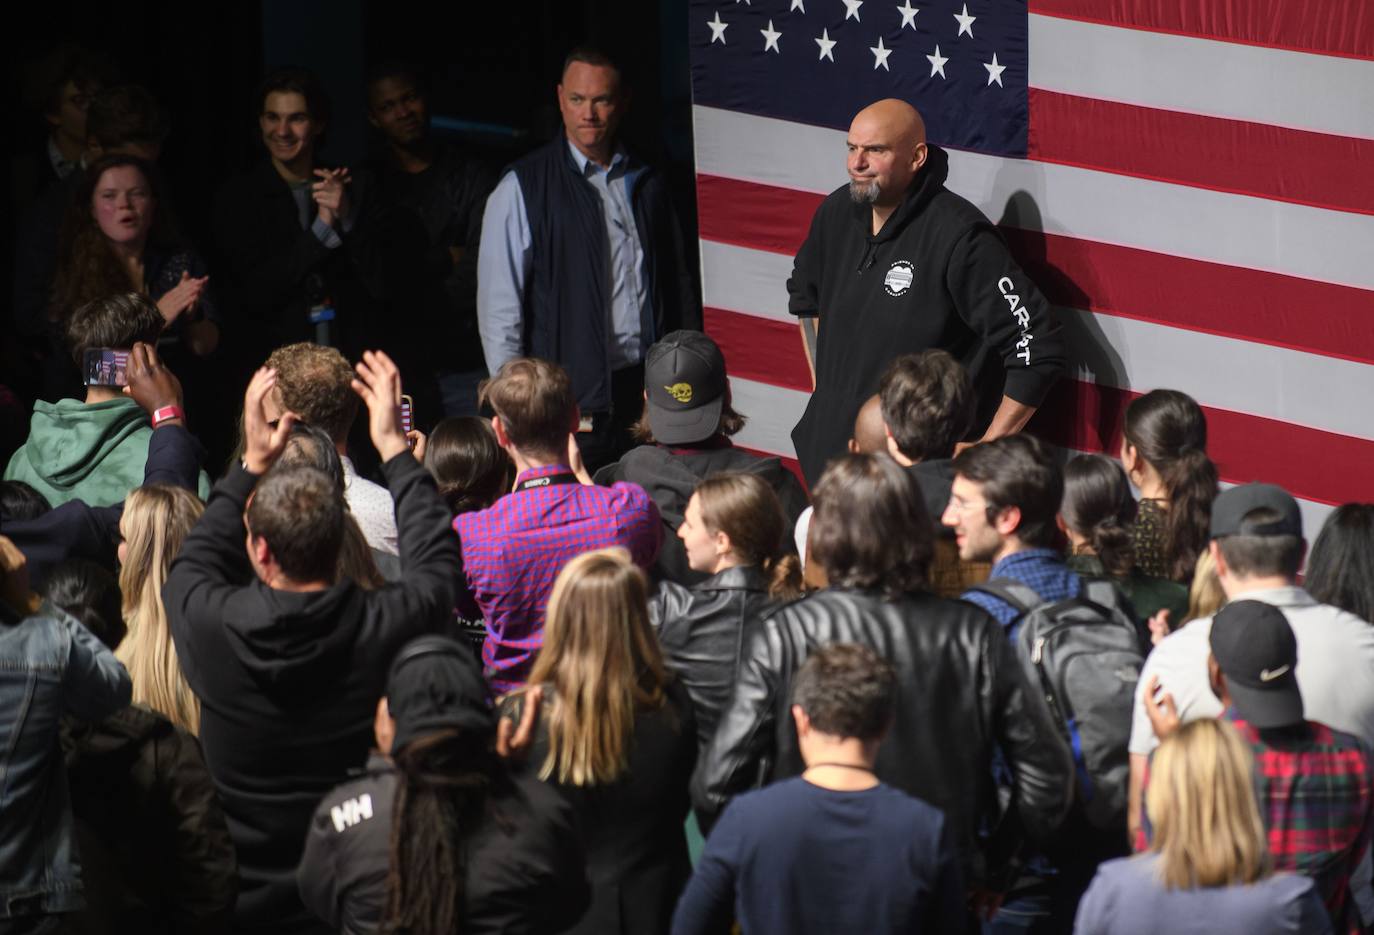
[(1002, 506)]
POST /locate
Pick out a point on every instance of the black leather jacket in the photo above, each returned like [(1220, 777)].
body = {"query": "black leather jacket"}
[(960, 694), (702, 631)]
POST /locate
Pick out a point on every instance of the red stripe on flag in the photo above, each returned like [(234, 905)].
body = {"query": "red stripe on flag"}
[(760, 349), (1331, 27), (1324, 467), (1231, 301), (1300, 166), (747, 214), (1246, 304)]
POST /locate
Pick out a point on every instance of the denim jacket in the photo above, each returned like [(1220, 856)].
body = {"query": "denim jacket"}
[(49, 665)]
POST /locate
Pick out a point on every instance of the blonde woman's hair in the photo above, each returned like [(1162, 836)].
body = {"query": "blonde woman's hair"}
[(157, 518), (1201, 801), (602, 662), (1205, 596)]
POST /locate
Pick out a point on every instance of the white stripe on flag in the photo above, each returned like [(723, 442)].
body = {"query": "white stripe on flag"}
[(1228, 373), (1179, 220), (1300, 90)]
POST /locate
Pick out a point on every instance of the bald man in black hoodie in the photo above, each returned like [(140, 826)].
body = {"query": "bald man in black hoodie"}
[(288, 663), (894, 263)]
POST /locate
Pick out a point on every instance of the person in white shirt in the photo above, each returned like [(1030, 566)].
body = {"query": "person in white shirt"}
[(315, 382), (1258, 546)]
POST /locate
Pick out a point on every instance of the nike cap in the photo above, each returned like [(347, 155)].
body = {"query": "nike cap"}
[(1257, 652), (684, 382)]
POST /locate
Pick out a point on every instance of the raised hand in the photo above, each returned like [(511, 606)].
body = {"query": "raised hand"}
[(331, 195), (263, 442), (14, 580), (419, 444), (1160, 707), (150, 384), (379, 384), (185, 294), (1159, 627)]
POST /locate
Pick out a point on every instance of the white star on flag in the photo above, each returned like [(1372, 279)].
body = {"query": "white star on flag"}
[(827, 45), (851, 8), (908, 15), (995, 71), (937, 63), (965, 22), (770, 38), (880, 55), (717, 28), (798, 5)]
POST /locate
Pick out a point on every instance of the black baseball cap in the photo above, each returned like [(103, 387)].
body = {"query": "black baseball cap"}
[(436, 683), (1230, 507), (684, 379), (1258, 653)]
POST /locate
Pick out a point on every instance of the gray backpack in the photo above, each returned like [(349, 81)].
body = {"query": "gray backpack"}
[(1084, 656)]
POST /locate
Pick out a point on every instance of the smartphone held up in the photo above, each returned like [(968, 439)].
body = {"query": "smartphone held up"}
[(106, 366)]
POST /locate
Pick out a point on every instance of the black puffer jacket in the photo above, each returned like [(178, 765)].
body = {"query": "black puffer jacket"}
[(702, 631), (960, 694)]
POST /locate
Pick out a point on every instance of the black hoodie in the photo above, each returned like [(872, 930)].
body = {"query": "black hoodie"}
[(288, 681), (938, 274), (671, 476)]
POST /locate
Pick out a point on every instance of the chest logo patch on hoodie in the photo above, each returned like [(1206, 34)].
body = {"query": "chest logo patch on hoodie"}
[(899, 278)]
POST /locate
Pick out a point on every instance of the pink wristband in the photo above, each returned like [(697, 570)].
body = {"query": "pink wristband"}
[(166, 414)]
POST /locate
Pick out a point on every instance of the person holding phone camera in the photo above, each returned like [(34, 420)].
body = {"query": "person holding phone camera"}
[(94, 449)]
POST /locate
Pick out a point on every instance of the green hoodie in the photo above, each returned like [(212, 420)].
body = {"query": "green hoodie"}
[(91, 452)]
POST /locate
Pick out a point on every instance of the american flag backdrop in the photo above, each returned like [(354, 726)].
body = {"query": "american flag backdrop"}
[(1191, 184)]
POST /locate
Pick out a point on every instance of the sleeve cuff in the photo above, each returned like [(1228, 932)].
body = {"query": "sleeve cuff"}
[(325, 234), (1029, 387)]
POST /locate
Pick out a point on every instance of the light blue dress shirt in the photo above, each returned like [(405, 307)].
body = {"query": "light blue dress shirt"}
[(503, 265)]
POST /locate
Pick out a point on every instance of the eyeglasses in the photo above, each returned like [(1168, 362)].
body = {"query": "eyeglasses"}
[(960, 505)]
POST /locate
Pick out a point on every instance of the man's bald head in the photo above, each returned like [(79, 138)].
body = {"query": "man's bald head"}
[(897, 118), (887, 146), (870, 433)]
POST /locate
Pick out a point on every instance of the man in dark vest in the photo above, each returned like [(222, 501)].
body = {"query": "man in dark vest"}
[(581, 260)]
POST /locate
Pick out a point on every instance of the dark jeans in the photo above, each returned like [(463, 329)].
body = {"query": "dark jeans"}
[(610, 437)]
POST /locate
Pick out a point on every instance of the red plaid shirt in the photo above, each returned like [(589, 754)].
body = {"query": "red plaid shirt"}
[(1314, 790), (514, 549), (1315, 786)]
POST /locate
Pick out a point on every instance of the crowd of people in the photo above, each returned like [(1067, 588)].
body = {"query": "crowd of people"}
[(509, 679)]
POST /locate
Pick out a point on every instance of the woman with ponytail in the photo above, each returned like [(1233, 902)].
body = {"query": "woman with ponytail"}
[(614, 735), (734, 531), (1097, 515), (1164, 451), (437, 838)]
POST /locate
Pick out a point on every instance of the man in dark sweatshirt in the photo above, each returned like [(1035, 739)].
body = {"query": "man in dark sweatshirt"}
[(287, 661), (895, 262)]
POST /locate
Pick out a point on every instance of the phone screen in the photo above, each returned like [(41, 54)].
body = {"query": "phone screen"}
[(407, 421), (106, 366)]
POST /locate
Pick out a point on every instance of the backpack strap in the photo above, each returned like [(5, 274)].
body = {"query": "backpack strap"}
[(1010, 591)]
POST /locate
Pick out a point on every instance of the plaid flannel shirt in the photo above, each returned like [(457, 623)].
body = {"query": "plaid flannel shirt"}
[(514, 549), (1315, 786)]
